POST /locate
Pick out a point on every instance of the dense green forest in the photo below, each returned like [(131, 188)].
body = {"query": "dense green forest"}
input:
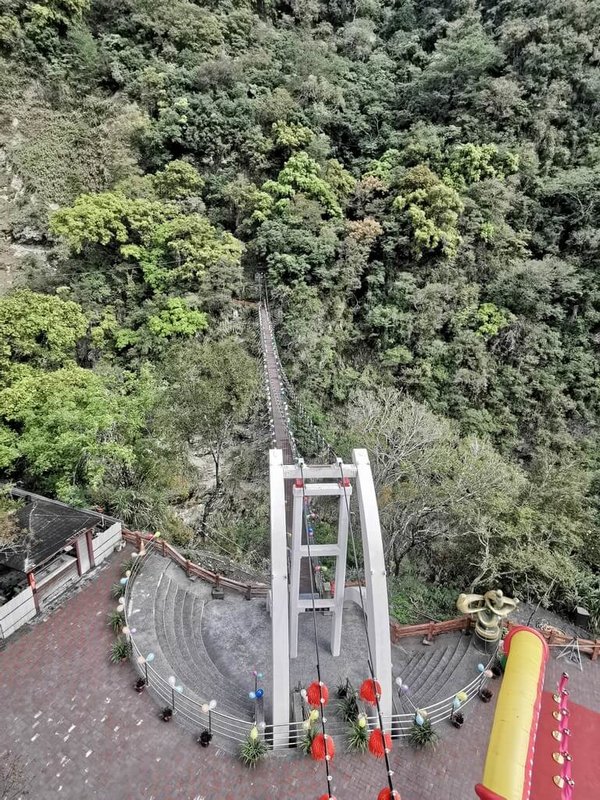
[(420, 184)]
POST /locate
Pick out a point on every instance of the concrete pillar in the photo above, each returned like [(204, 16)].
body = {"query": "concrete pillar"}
[(279, 602), (296, 560), (375, 595)]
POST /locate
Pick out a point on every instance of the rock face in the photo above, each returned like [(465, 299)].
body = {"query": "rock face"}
[(20, 239)]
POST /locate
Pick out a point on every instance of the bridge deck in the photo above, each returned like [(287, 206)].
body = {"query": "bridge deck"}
[(281, 428)]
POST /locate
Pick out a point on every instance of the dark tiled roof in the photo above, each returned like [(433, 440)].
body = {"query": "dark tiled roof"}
[(50, 527)]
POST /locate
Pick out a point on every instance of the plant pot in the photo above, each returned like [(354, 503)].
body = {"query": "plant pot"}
[(205, 738), (496, 672), (167, 714), (457, 720), (140, 685), (485, 695)]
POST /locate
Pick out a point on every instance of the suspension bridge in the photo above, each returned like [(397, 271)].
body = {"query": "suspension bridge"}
[(189, 646)]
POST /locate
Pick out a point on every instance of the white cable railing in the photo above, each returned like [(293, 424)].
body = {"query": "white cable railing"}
[(197, 715)]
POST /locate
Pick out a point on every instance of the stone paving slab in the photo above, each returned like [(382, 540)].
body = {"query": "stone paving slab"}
[(84, 733)]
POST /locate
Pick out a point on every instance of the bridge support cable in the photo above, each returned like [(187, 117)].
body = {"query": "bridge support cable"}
[(322, 693)]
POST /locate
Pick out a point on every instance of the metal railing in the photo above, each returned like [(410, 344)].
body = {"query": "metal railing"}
[(195, 714)]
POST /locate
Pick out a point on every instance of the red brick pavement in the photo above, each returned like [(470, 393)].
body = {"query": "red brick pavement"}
[(84, 733)]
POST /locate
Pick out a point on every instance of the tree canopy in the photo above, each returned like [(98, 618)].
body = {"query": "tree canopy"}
[(419, 184)]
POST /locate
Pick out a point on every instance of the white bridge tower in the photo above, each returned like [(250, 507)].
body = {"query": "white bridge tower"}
[(286, 600)]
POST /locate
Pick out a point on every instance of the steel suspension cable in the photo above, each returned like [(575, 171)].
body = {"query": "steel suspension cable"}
[(314, 618)]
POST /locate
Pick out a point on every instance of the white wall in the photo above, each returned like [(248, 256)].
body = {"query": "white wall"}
[(17, 612), (105, 542)]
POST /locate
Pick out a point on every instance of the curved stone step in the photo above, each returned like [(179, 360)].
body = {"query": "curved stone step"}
[(232, 698), (419, 667), (464, 670), (430, 679)]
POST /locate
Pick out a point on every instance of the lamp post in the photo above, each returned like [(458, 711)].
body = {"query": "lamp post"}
[(174, 688), (145, 660), (208, 708)]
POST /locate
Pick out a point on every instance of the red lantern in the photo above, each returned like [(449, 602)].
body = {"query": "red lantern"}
[(317, 693), (369, 690), (321, 747), (388, 794), (379, 742)]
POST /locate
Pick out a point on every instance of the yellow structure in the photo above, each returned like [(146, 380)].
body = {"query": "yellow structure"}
[(509, 761), (490, 609)]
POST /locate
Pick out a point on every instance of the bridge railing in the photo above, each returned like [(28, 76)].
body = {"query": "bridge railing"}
[(248, 588)]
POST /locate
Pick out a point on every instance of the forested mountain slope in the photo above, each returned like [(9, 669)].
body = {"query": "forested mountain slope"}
[(419, 181)]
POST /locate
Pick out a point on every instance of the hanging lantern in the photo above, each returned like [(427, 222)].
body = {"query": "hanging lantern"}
[(379, 743), (317, 694), (369, 691), (322, 747), (388, 794)]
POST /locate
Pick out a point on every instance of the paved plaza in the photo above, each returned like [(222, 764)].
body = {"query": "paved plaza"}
[(84, 733)]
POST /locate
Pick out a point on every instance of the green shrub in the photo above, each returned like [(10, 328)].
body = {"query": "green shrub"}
[(116, 591), (348, 706), (358, 736), (116, 620), (120, 650), (252, 751), (424, 735), (413, 599), (307, 739)]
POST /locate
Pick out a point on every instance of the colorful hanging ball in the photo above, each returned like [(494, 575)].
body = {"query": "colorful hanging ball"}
[(379, 742), (326, 797), (480, 667), (317, 694), (369, 691), (463, 697), (388, 794), (322, 746), (259, 693)]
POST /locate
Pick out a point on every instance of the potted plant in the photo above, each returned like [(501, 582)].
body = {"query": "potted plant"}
[(310, 731), (116, 590), (167, 714), (116, 620), (424, 735), (342, 689), (486, 695), (140, 685), (205, 738), (358, 735), (457, 719), (120, 651), (496, 671), (348, 706), (252, 751), (127, 566)]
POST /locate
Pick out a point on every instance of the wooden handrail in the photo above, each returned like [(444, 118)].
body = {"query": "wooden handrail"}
[(168, 551)]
